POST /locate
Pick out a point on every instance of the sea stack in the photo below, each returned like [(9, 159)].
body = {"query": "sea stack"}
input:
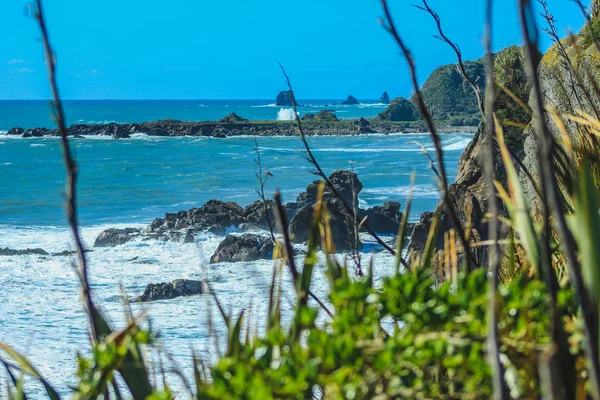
[(351, 100), (284, 99), (385, 99)]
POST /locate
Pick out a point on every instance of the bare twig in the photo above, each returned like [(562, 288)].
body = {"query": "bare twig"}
[(262, 177), (319, 170), (390, 26), (70, 191)]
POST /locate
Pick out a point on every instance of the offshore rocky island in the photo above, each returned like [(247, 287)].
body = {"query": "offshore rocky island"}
[(452, 104)]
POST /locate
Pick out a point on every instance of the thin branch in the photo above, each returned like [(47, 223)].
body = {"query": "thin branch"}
[(71, 166), (319, 170), (437, 142), (262, 177)]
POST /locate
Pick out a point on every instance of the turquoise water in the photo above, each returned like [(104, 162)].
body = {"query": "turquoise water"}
[(128, 183), (32, 114)]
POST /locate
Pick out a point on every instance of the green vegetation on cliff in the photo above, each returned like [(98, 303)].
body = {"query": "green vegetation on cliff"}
[(446, 94)]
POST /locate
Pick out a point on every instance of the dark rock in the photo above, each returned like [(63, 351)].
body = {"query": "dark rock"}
[(246, 247), (385, 219), (363, 126), (232, 118), (15, 131), (420, 233), (400, 109), (115, 237), (117, 132), (325, 115), (177, 288), (255, 213), (284, 99), (11, 252), (308, 117), (346, 183), (385, 99), (351, 100), (341, 224), (215, 217)]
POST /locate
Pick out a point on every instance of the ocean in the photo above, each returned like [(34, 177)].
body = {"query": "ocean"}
[(36, 113), (129, 182)]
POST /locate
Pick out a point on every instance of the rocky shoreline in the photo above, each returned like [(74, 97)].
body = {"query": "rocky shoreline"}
[(231, 127)]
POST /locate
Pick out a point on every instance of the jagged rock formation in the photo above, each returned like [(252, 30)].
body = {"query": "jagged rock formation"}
[(284, 98), (243, 248), (400, 109), (470, 192), (115, 237), (232, 118), (171, 290), (363, 126), (385, 98), (350, 101)]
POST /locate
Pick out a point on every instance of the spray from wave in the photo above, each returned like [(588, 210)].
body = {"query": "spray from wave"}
[(286, 114)]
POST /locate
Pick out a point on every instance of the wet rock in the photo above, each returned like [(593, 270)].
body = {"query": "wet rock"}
[(256, 215), (420, 233), (115, 237), (243, 248), (341, 224), (308, 116), (171, 290), (15, 131), (25, 252), (215, 216), (384, 219), (345, 182)]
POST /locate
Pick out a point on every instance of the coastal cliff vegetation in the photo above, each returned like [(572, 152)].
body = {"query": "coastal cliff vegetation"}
[(494, 295)]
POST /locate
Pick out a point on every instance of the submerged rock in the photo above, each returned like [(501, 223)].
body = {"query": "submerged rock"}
[(243, 248), (284, 98), (171, 290), (351, 100), (25, 252), (115, 237)]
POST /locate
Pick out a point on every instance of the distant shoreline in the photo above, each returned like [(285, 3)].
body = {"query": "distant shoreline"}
[(220, 129)]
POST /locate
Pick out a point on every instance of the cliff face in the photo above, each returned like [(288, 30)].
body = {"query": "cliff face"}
[(469, 192), (568, 87)]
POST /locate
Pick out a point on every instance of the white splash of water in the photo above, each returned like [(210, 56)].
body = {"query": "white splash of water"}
[(286, 114)]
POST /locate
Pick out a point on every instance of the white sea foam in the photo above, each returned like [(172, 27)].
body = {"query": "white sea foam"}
[(418, 191), (286, 114), (40, 300), (266, 105)]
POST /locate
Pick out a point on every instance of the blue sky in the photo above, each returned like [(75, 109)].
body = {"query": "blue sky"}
[(228, 49)]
